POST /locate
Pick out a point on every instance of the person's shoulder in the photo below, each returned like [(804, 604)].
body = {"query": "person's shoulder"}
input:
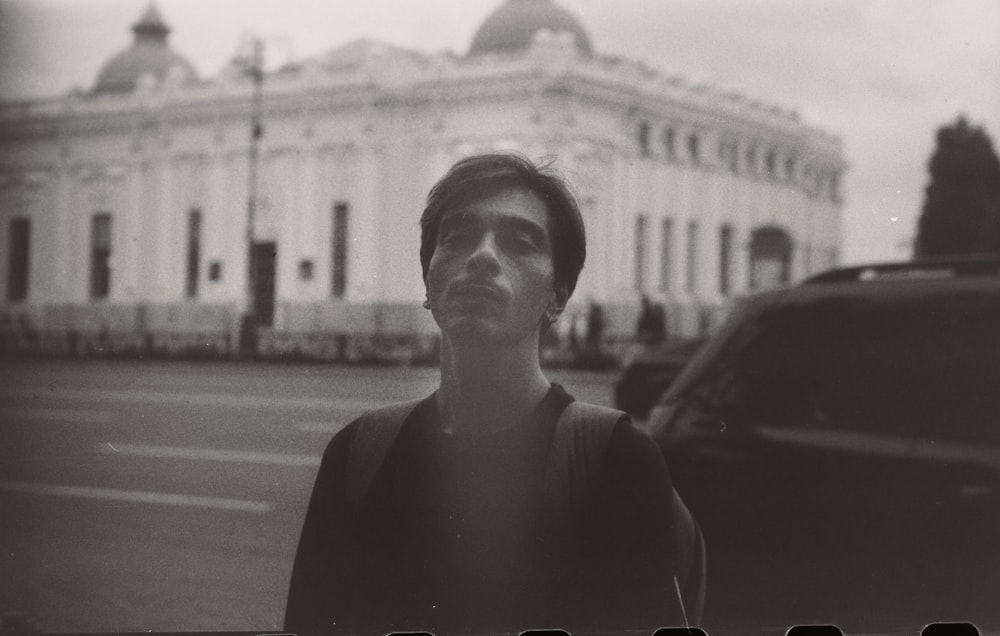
[(628, 434), (587, 416), (387, 419), (397, 410), (631, 443)]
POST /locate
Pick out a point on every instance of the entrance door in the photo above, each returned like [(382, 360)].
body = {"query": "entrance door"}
[(265, 255), (770, 258)]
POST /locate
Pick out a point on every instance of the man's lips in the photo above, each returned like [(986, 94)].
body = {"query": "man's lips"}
[(476, 291)]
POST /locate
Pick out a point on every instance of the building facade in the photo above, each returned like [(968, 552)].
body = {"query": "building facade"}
[(128, 213)]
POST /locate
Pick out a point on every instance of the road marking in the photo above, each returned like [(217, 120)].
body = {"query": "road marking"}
[(137, 496), (320, 427), (62, 415), (139, 396), (207, 454)]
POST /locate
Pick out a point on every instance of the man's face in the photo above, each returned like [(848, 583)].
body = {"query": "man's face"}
[(492, 276)]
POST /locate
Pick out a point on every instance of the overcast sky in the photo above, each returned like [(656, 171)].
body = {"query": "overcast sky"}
[(882, 74)]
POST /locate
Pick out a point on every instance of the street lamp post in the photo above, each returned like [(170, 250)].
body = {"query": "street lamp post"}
[(248, 324)]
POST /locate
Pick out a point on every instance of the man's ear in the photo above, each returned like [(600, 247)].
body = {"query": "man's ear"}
[(559, 299)]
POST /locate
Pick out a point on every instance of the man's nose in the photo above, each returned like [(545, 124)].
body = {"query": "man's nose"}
[(486, 254)]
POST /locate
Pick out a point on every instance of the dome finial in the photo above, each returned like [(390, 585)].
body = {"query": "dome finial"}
[(151, 25)]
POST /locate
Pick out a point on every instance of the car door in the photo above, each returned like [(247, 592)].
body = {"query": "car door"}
[(792, 417)]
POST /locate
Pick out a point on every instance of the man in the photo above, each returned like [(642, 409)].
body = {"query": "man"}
[(474, 513), (651, 328)]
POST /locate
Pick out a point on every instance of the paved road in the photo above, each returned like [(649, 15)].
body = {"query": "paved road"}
[(168, 496)]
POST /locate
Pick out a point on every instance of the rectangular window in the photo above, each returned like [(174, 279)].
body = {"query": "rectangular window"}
[(193, 253), (692, 256), (670, 144), (643, 138), (338, 260), (100, 256), (725, 258), (18, 258), (640, 252), (666, 253)]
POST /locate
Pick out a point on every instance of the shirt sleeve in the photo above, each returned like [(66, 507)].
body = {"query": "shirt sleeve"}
[(317, 592), (654, 550)]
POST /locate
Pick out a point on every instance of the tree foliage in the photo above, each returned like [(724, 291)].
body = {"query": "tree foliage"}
[(961, 213)]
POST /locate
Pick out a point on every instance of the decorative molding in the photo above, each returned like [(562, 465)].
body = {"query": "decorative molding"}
[(90, 172), (341, 148)]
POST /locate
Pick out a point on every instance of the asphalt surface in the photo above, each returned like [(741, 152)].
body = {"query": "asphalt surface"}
[(168, 496)]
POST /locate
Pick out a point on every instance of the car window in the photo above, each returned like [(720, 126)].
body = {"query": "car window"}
[(927, 366)]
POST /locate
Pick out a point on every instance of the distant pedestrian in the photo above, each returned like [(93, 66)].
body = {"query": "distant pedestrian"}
[(651, 327), (595, 326)]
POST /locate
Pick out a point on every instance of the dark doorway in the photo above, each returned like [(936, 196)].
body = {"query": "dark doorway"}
[(770, 258), (265, 256)]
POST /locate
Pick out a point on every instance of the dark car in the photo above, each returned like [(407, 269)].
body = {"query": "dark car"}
[(650, 373), (845, 432)]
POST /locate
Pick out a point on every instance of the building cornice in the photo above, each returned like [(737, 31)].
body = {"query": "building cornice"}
[(396, 73)]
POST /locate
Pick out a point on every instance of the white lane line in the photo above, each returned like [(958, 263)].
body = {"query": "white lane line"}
[(8, 413), (136, 496), (320, 427), (207, 454), (140, 396)]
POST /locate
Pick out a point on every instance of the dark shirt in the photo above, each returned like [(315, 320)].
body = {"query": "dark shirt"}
[(454, 536)]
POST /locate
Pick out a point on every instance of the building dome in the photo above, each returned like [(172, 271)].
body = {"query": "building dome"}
[(148, 55), (511, 27)]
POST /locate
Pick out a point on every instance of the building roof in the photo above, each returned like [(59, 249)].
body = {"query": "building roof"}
[(149, 54), (514, 24)]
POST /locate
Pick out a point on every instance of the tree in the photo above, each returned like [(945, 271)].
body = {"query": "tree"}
[(961, 213)]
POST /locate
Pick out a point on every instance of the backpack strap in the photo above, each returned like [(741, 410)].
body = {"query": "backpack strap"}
[(579, 444), (689, 548), (374, 433)]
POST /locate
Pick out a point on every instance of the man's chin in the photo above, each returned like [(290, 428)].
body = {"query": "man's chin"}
[(473, 327), (476, 330)]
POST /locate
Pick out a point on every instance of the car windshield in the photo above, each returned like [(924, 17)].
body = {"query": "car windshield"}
[(926, 363)]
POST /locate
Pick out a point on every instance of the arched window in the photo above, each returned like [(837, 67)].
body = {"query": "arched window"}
[(770, 258), (729, 153), (691, 285), (643, 138), (790, 168), (734, 158), (771, 162), (100, 255), (751, 159), (694, 150), (670, 143), (725, 258)]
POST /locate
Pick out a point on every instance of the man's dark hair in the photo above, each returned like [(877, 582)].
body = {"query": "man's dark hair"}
[(480, 176)]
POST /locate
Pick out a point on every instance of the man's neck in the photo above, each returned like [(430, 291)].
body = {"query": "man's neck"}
[(488, 388)]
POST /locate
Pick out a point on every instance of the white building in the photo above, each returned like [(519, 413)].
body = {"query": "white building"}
[(124, 210)]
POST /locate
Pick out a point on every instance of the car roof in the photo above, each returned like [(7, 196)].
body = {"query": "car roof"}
[(968, 266), (890, 282), (876, 283)]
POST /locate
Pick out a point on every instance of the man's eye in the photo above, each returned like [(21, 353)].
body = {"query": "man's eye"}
[(456, 235), (524, 242)]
